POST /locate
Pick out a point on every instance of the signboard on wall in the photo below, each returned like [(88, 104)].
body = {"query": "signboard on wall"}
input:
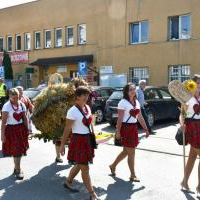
[(17, 57), (113, 80), (62, 69), (106, 70), (82, 68)]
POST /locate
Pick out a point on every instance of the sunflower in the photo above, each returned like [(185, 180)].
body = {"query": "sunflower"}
[(191, 85)]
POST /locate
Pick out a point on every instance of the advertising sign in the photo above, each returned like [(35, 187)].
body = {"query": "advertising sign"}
[(17, 57)]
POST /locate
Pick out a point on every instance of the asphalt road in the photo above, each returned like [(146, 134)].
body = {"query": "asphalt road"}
[(159, 165)]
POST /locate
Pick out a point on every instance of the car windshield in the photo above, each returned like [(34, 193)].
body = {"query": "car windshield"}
[(31, 93), (116, 95)]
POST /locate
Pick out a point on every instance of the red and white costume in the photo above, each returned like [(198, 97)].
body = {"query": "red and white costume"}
[(16, 134), (129, 130), (80, 150), (192, 122)]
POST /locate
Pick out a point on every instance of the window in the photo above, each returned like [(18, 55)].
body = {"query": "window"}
[(82, 34), (151, 94), (179, 27), (139, 32), (58, 37), (9, 43), (47, 39), (165, 95), (18, 43), (179, 72), (69, 36), (27, 41), (138, 73), (37, 40), (1, 44)]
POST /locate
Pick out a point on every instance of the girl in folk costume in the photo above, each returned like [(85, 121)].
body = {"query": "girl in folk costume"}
[(191, 124), (126, 129), (28, 104), (14, 130), (81, 150)]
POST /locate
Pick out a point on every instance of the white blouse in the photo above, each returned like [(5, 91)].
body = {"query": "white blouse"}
[(127, 106)]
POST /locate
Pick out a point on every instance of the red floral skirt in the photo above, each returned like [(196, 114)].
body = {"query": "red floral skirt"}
[(80, 150), (193, 133), (16, 140), (129, 135)]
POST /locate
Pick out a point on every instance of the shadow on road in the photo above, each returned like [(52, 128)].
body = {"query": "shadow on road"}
[(188, 195), (46, 185), (122, 189)]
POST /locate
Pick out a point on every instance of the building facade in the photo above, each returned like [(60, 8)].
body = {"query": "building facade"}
[(156, 40)]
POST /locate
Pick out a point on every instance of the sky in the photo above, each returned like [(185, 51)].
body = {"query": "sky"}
[(9, 3)]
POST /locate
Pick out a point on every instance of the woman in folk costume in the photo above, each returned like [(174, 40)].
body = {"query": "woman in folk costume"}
[(191, 124), (81, 150), (128, 114), (28, 104), (14, 131)]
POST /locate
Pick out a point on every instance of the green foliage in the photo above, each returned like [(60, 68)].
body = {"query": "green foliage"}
[(7, 66)]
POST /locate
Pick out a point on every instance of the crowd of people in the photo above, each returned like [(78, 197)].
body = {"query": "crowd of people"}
[(15, 130)]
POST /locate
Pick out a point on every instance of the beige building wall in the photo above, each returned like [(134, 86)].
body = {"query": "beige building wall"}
[(108, 33)]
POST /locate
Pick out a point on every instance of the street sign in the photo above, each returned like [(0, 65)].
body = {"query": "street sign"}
[(2, 72), (82, 68)]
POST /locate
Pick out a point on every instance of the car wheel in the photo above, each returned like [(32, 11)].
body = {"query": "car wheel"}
[(99, 115), (151, 118)]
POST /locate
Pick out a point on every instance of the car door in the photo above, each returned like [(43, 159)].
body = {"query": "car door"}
[(104, 95), (170, 105), (154, 102)]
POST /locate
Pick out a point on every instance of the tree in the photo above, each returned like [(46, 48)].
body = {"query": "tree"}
[(7, 66)]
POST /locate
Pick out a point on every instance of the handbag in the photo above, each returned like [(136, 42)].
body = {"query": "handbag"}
[(179, 137), (179, 134), (93, 142)]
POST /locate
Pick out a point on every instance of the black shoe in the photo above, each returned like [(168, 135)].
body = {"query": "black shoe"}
[(19, 175), (70, 188), (152, 132), (59, 160)]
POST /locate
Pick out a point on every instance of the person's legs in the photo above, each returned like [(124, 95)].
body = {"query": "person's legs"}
[(17, 161), (17, 169), (189, 166), (87, 181), (198, 186), (72, 174), (131, 161), (144, 114), (58, 157), (119, 158)]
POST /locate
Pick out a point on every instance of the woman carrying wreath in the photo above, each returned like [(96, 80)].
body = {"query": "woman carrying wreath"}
[(191, 125), (80, 150), (126, 129)]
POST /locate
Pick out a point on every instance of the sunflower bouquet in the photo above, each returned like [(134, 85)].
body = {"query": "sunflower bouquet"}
[(191, 87), (51, 107)]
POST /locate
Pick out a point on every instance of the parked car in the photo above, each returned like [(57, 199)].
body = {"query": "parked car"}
[(102, 94), (32, 93), (160, 105)]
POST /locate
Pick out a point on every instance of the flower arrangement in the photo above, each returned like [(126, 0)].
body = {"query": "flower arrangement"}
[(190, 86)]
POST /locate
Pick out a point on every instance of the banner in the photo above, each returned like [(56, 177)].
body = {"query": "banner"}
[(17, 57)]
